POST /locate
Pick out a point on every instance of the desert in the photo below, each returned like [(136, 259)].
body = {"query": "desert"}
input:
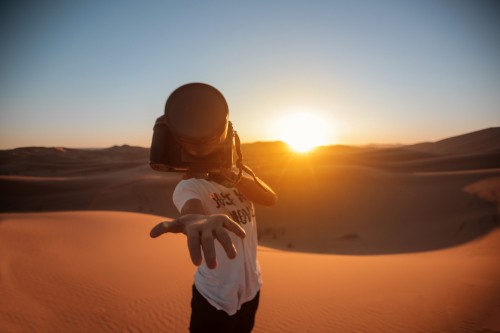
[(363, 239)]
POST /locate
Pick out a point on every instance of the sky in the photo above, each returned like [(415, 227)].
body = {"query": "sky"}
[(98, 73)]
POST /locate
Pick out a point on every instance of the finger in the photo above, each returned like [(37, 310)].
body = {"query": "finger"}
[(174, 226), (160, 229), (234, 227), (193, 240), (208, 246), (226, 242)]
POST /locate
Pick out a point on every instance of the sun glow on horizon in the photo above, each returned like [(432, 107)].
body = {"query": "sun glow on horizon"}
[(302, 131)]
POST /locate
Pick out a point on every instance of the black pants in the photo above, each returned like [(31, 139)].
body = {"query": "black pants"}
[(207, 319)]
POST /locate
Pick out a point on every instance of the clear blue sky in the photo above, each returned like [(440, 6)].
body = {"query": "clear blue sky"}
[(97, 73)]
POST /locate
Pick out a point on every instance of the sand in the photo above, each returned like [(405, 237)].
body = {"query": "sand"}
[(89, 271), (363, 239)]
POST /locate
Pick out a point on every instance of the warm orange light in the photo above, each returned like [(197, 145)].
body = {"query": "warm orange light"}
[(302, 131)]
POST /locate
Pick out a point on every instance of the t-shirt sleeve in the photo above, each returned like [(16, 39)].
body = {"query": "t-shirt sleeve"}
[(184, 191)]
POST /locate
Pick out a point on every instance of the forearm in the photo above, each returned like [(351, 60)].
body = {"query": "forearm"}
[(261, 194)]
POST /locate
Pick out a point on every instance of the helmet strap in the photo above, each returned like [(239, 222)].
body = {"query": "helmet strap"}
[(242, 167)]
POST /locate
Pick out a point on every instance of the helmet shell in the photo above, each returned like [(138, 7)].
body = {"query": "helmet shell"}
[(197, 113)]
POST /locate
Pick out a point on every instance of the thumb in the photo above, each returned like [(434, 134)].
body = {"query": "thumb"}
[(164, 227)]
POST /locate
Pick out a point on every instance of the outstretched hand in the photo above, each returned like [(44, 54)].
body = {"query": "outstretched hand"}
[(201, 231)]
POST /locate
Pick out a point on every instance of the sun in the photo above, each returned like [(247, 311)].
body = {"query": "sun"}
[(302, 131)]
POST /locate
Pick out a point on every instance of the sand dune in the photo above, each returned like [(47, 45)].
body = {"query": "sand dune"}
[(100, 272), (90, 272), (340, 205), (362, 239), (357, 210), (482, 141)]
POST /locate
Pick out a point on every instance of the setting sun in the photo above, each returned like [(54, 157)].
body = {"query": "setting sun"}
[(302, 131)]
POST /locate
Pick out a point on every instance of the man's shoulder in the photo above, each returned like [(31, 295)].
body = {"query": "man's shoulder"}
[(191, 181), (195, 184)]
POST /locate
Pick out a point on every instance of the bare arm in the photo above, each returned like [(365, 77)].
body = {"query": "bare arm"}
[(254, 192), (201, 230)]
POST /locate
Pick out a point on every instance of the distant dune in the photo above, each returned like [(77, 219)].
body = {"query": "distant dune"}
[(356, 200), (363, 239), (480, 142)]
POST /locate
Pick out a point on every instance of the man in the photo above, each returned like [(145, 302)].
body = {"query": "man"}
[(219, 205)]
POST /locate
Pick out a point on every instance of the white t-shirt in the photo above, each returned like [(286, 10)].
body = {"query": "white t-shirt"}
[(234, 281)]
